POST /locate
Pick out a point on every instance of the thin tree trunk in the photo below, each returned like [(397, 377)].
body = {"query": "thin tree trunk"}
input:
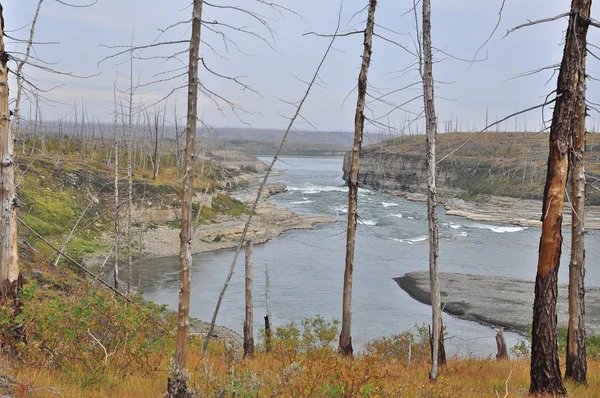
[(177, 142), (17, 111), (249, 321), (140, 258), (566, 120), (130, 179), (116, 214), (431, 125), (345, 344), (268, 332), (156, 160), (177, 385), (9, 254), (576, 335)]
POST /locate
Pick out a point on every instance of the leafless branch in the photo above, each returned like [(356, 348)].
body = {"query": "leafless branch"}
[(531, 23)]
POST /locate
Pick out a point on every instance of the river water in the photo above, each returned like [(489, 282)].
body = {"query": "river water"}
[(306, 267)]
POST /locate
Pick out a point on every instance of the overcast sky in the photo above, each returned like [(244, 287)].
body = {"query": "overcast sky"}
[(274, 66)]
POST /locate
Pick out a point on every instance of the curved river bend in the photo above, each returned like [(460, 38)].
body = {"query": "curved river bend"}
[(306, 267)]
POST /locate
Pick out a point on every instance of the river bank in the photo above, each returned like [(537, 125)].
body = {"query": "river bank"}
[(494, 300), (504, 210), (224, 232), (269, 221)]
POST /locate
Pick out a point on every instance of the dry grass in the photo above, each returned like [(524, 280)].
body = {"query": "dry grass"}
[(317, 374)]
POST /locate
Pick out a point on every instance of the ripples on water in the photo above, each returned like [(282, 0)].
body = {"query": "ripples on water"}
[(306, 267)]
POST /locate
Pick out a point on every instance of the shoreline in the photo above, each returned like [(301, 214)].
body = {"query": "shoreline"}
[(503, 210), (268, 222), (494, 300)]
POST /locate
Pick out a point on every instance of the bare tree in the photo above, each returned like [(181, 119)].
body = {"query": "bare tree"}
[(568, 118), (268, 332), (116, 212), (345, 344), (9, 255), (129, 176), (18, 73), (249, 321), (576, 335), (177, 384), (426, 70)]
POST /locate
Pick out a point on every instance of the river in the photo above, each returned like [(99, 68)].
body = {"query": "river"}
[(306, 267)]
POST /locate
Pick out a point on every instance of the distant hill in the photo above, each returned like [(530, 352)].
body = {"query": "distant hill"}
[(298, 143), (342, 139)]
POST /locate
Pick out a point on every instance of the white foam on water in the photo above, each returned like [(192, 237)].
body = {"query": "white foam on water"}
[(499, 229), (455, 226), (340, 209), (367, 222), (410, 217), (313, 189), (397, 215), (301, 202), (386, 204), (418, 239)]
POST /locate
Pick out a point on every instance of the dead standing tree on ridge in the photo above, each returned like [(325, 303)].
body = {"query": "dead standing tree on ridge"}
[(345, 343)]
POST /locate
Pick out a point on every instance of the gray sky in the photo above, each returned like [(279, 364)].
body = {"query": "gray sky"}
[(460, 27)]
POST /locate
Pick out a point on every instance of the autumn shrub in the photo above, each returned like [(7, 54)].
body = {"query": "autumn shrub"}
[(522, 348), (413, 343), (91, 329), (314, 333)]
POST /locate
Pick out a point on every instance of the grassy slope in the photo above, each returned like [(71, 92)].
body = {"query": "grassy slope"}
[(54, 197), (503, 164)]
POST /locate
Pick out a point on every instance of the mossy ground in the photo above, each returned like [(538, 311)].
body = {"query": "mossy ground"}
[(72, 192)]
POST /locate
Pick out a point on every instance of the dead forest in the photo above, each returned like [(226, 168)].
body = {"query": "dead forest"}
[(161, 164)]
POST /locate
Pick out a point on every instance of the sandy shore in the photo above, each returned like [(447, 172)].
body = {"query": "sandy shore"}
[(224, 232), (505, 210), (495, 301), (267, 223)]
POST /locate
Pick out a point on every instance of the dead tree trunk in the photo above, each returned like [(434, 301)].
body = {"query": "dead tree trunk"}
[(177, 385), (156, 163), (501, 344), (268, 333), (140, 259), (17, 112), (130, 179), (566, 120), (576, 335), (431, 125), (249, 321), (345, 344), (177, 142), (116, 214), (9, 254)]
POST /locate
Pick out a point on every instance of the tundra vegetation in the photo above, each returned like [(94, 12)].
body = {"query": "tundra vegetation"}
[(68, 330)]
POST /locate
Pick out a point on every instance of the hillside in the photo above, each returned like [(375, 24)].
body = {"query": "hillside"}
[(471, 166)]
